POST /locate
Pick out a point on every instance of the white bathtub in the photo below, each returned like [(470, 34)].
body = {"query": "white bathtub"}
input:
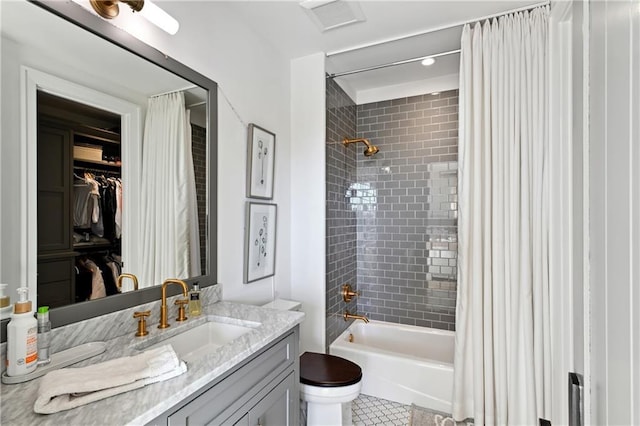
[(401, 363)]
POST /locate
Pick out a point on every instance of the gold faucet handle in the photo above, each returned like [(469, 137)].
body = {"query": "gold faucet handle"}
[(142, 322), (181, 311), (347, 293)]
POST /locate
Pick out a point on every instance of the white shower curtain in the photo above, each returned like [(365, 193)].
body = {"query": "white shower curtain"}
[(170, 243), (502, 354)]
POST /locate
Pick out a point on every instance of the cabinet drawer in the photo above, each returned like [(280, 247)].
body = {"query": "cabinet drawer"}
[(56, 281), (227, 396)]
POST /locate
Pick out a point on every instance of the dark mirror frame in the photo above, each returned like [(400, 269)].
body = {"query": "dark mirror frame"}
[(77, 15)]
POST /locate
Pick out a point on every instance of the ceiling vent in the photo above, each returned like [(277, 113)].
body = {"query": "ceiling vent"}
[(331, 14)]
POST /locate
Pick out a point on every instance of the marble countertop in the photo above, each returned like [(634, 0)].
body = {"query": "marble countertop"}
[(143, 405)]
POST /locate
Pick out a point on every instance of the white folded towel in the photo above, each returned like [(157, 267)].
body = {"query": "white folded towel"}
[(72, 387)]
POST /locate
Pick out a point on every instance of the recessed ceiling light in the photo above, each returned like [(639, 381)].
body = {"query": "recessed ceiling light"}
[(435, 93), (428, 61)]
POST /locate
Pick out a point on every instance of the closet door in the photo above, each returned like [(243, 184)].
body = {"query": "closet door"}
[(56, 257), (54, 189)]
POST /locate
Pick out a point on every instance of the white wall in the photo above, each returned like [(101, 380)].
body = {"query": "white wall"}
[(308, 211), (569, 252), (614, 181), (255, 78)]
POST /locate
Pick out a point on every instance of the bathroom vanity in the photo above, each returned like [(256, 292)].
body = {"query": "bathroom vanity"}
[(262, 390), (251, 379)]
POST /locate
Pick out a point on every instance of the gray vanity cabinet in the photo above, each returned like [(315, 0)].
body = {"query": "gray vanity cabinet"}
[(275, 407), (262, 390)]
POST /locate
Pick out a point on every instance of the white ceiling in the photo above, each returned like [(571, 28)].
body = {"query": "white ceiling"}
[(286, 25)]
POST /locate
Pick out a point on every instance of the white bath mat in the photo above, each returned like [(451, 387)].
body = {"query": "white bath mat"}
[(423, 417)]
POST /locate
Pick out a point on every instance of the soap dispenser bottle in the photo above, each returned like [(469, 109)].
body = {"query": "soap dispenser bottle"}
[(22, 337), (195, 304)]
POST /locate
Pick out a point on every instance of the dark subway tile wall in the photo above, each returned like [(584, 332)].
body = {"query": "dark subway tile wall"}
[(341, 238), (199, 153), (405, 199)]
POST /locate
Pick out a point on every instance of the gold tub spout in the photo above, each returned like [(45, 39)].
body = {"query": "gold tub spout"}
[(348, 316), (164, 323)]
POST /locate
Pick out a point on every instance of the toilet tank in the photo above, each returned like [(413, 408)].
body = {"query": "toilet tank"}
[(283, 305)]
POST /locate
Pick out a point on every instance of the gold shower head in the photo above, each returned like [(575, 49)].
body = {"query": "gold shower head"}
[(371, 149)]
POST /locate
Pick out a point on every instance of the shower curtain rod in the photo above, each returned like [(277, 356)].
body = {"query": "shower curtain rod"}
[(432, 30), (195, 104), (193, 86), (392, 64)]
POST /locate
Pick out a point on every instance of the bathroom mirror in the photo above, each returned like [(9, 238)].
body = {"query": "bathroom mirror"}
[(56, 48)]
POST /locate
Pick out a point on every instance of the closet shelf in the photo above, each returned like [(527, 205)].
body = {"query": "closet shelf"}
[(107, 138), (101, 163)]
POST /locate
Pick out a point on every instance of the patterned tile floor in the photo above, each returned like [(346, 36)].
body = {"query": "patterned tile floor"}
[(369, 411)]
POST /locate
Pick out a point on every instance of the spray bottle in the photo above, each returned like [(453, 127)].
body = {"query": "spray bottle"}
[(22, 337), (44, 335)]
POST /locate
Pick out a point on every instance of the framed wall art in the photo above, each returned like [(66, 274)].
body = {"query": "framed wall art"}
[(260, 241), (260, 162)]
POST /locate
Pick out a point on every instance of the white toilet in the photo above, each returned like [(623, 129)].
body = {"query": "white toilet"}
[(328, 383)]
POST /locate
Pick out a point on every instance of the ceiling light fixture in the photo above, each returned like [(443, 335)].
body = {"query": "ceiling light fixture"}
[(428, 61), (332, 14), (108, 9)]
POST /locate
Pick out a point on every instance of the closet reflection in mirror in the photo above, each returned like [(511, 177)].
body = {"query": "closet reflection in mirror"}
[(80, 199), (76, 104)]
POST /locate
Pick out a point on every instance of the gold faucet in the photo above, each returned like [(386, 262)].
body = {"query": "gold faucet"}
[(348, 316), (163, 308), (122, 276)]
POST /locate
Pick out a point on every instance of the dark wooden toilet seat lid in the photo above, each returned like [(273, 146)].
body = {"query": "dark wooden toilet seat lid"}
[(324, 370)]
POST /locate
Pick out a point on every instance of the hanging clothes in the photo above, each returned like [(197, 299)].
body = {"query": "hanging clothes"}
[(98, 206), (118, 213), (86, 203), (114, 265), (109, 209), (98, 289), (108, 279)]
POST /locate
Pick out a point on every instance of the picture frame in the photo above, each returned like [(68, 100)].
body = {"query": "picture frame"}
[(260, 241), (261, 150)]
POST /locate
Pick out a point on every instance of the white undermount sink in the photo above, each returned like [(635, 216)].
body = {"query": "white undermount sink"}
[(202, 339)]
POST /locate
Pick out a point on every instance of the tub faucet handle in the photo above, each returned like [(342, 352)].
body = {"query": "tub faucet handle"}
[(347, 293)]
